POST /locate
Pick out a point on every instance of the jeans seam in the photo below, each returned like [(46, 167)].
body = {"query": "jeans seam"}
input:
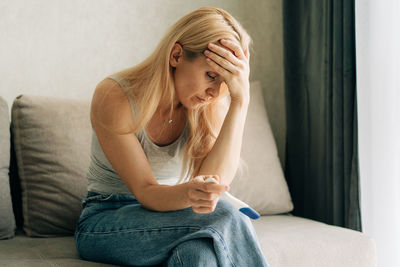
[(107, 198), (143, 230), (223, 243), (99, 197), (178, 259)]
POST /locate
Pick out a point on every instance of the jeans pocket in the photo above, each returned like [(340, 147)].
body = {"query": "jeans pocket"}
[(93, 197)]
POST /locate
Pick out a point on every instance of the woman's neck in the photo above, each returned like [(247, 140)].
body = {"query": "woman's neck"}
[(164, 109)]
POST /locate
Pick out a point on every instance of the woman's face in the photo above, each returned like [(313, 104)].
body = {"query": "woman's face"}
[(195, 82)]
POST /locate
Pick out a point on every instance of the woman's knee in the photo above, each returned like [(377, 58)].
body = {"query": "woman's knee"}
[(227, 210), (195, 252)]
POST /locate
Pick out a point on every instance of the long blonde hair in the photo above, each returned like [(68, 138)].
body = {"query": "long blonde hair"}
[(152, 80)]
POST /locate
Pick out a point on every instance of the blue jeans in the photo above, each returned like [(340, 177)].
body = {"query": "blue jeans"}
[(116, 229)]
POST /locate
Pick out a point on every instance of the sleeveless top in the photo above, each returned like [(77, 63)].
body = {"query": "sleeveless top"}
[(165, 161)]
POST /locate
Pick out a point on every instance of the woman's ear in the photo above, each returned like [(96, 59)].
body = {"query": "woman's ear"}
[(176, 55), (247, 53)]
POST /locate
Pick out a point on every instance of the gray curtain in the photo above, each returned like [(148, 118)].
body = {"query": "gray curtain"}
[(321, 106)]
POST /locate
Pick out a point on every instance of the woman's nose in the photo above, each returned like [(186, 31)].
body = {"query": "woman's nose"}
[(213, 92)]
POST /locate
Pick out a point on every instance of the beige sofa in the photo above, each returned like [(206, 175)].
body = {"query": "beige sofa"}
[(49, 140)]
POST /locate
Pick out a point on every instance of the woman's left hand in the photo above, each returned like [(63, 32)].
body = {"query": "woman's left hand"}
[(229, 61)]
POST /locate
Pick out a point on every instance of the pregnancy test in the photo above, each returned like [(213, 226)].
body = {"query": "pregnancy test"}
[(240, 205)]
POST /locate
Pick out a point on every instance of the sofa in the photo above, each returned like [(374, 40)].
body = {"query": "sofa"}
[(45, 152)]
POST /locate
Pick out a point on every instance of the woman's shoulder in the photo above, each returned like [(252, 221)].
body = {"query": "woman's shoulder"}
[(110, 107)]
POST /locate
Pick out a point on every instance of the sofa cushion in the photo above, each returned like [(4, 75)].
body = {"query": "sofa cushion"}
[(27, 251), (261, 182), (294, 241), (7, 220), (52, 143)]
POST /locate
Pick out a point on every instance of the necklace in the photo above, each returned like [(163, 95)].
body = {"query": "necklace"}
[(170, 119), (163, 127)]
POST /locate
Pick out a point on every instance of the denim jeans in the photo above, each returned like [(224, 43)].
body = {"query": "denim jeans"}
[(116, 229)]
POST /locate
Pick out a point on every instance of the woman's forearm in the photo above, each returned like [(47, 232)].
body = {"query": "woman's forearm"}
[(223, 159), (165, 197)]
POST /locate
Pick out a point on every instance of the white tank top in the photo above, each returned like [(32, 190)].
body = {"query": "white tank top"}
[(165, 161)]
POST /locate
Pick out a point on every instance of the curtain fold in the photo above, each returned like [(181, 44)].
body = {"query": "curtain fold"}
[(321, 108)]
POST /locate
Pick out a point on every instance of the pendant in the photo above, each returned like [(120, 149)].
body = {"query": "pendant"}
[(170, 121)]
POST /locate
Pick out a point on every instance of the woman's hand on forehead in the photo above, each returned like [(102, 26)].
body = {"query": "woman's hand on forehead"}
[(226, 47), (230, 62)]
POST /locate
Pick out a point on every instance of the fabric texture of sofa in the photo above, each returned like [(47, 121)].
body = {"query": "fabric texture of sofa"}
[(45, 153)]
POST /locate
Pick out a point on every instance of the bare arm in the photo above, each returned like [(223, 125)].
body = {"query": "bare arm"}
[(223, 159)]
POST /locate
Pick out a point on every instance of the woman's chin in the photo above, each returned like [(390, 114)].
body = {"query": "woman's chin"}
[(199, 105), (193, 105)]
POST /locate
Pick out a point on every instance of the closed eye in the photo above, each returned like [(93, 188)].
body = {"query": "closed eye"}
[(211, 77)]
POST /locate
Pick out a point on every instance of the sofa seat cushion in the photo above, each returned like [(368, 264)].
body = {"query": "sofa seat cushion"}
[(294, 241), (23, 250), (285, 240)]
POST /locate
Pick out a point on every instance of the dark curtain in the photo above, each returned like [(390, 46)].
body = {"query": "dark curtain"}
[(321, 106)]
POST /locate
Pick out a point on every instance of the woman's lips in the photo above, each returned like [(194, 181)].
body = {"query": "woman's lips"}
[(200, 99)]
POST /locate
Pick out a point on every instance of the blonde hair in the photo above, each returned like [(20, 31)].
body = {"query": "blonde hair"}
[(152, 80)]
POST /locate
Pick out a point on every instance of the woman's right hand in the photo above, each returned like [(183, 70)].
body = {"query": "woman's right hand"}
[(202, 196), (229, 60)]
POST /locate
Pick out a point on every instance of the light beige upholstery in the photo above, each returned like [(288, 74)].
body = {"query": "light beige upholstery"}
[(293, 241)]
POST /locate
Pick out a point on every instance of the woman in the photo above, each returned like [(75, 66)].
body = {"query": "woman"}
[(159, 129)]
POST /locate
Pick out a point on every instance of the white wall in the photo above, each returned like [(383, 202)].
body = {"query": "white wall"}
[(65, 47), (378, 86)]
